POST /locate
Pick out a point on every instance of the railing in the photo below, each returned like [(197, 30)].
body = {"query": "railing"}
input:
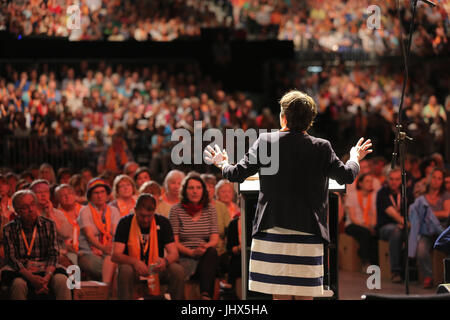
[(19, 153)]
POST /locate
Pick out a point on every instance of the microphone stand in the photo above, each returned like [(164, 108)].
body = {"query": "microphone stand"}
[(401, 139)]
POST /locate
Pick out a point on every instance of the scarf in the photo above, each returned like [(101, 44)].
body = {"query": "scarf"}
[(124, 209), (367, 208), (105, 234), (76, 227), (135, 249), (192, 208)]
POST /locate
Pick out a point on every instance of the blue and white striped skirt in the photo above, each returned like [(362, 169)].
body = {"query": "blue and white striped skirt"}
[(286, 262)]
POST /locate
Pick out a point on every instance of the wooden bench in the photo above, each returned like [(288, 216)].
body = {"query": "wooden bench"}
[(383, 259), (348, 253), (437, 260), (192, 290)]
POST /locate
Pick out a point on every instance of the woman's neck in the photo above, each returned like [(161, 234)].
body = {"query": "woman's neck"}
[(365, 192), (127, 199), (433, 192), (172, 198)]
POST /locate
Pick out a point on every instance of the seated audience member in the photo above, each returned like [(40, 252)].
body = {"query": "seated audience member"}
[(153, 188), (64, 175), (139, 244), (171, 192), (426, 166), (124, 193), (225, 194), (194, 224), (79, 185), (31, 251), (223, 217), (87, 175), (390, 221), (142, 175), (362, 219), (428, 216), (365, 167), (115, 157), (45, 208), (71, 210), (223, 220), (12, 179), (98, 222), (378, 169), (160, 161), (234, 250), (6, 209), (130, 168), (47, 172)]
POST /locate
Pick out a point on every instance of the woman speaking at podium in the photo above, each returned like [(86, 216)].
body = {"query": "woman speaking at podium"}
[(290, 224)]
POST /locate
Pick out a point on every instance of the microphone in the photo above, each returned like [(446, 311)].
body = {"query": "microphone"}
[(431, 4)]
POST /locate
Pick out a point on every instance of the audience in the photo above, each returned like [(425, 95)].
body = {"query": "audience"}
[(139, 244), (312, 25), (362, 219), (429, 216), (194, 223), (390, 221), (98, 222), (32, 269), (124, 193)]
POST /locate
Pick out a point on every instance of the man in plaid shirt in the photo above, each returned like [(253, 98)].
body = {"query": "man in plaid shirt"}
[(31, 252)]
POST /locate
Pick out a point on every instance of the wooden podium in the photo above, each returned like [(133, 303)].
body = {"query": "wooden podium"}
[(248, 197)]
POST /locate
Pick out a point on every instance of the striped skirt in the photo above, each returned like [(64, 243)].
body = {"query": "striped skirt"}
[(286, 262)]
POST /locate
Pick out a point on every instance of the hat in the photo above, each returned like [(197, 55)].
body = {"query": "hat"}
[(94, 183)]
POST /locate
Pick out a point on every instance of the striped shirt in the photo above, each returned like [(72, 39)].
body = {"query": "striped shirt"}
[(45, 248), (193, 233)]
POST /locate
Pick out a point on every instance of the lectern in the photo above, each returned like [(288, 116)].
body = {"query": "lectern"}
[(248, 197)]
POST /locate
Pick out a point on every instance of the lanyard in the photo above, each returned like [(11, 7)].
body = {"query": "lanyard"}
[(396, 204), (29, 246)]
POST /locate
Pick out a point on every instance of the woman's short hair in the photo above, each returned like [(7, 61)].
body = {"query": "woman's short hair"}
[(151, 187), (299, 109), (222, 183), (170, 175), (117, 180), (183, 194), (209, 178), (139, 171)]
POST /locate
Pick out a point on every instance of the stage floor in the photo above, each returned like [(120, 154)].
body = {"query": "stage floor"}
[(352, 285)]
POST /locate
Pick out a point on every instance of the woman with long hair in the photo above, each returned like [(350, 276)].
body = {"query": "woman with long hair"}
[(194, 223)]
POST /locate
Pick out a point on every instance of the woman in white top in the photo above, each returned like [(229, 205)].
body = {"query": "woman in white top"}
[(362, 218)]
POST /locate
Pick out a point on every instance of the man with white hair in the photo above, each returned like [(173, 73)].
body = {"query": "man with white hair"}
[(31, 251)]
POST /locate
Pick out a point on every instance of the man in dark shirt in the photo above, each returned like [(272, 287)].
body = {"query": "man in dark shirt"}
[(390, 221), (132, 268), (31, 251)]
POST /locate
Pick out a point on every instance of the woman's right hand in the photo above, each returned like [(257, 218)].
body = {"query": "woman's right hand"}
[(360, 150)]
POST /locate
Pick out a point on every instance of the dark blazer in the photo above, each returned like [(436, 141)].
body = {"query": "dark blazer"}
[(296, 196)]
